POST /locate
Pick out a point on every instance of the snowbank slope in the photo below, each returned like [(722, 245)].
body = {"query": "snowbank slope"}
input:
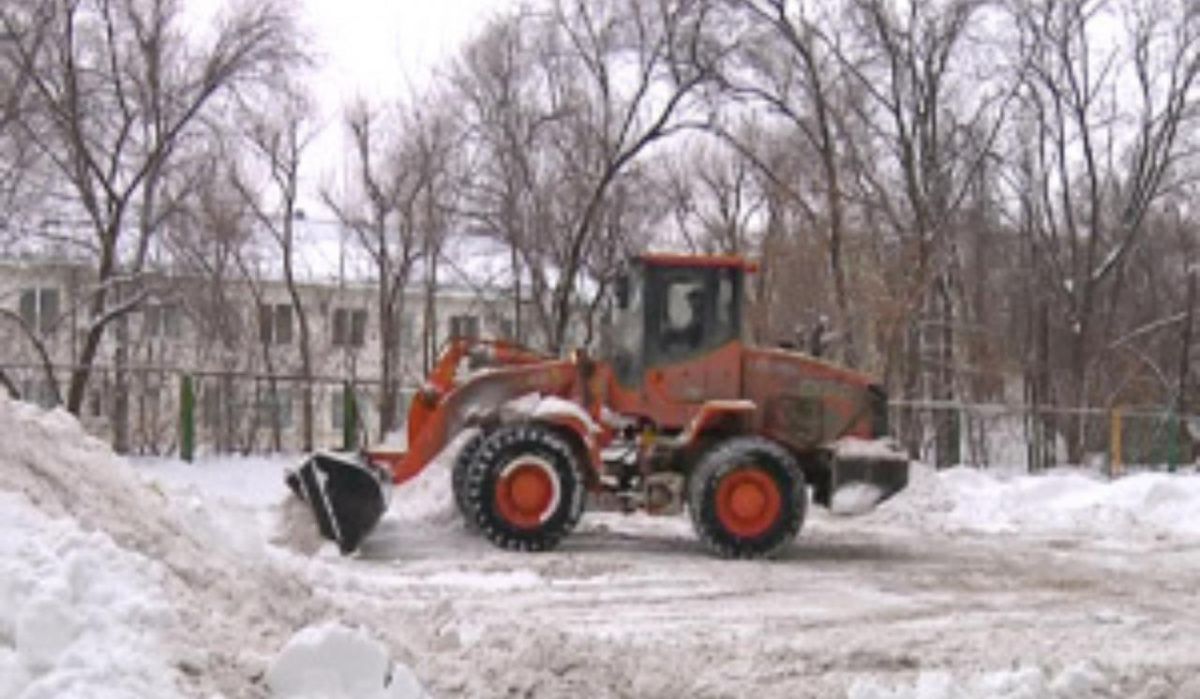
[(113, 539), (1062, 501)]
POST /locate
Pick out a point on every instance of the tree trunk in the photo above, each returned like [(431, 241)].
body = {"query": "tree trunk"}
[(120, 414), (943, 390), (81, 372), (430, 334), (1182, 398)]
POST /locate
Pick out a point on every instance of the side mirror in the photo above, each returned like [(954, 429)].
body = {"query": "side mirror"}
[(621, 288)]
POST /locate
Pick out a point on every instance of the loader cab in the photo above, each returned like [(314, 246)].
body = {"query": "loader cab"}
[(672, 309)]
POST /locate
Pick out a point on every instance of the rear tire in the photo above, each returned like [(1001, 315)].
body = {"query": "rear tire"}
[(747, 498), (524, 488)]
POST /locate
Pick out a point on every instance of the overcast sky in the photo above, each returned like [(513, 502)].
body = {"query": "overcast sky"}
[(376, 46), (379, 49)]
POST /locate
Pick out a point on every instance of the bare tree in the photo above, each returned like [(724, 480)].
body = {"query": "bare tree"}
[(496, 80), (787, 60), (934, 126), (1105, 113), (392, 176), (278, 142), (209, 244), (562, 104), (18, 155), (715, 197), (116, 90)]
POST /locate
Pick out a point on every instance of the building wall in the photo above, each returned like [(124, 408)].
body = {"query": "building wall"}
[(245, 378)]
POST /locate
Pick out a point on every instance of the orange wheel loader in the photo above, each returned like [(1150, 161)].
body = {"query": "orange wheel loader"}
[(682, 415)]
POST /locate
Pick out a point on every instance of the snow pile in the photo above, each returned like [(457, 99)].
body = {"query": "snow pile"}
[(428, 499), (332, 661), (235, 501), (77, 612), (1076, 681), (233, 608), (1059, 501), (252, 481)]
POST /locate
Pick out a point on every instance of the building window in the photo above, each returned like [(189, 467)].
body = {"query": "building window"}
[(152, 397), (221, 403), (39, 391), (505, 329), (39, 309), (95, 404), (464, 326), (210, 406), (275, 324), (163, 320), (275, 405), (337, 409), (349, 327), (406, 332)]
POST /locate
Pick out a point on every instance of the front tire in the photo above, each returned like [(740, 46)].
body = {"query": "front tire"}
[(458, 477), (524, 488), (747, 498)]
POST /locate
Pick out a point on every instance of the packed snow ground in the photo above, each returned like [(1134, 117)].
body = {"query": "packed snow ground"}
[(176, 578)]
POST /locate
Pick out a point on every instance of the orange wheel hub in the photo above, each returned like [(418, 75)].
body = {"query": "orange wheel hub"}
[(748, 501), (526, 493)]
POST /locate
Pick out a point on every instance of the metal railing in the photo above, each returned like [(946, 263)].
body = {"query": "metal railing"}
[(161, 410), (173, 410), (1033, 438)]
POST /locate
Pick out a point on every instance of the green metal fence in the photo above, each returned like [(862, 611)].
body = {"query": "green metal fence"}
[(172, 411), (1029, 438)]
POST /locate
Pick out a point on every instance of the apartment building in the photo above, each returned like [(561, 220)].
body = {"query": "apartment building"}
[(238, 340)]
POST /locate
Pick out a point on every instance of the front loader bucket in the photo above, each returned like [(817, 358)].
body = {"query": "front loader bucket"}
[(864, 473), (347, 495)]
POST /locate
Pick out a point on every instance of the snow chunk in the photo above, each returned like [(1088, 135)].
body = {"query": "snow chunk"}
[(332, 661), (855, 498)]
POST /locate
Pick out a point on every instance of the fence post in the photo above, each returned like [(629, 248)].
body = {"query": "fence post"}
[(955, 439), (1173, 448), (187, 418), (349, 418), (1114, 442)]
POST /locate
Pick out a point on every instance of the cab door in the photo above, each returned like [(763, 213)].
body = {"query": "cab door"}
[(692, 340)]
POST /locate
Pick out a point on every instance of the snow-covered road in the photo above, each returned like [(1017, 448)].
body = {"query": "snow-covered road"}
[(921, 599), (633, 607), (173, 579)]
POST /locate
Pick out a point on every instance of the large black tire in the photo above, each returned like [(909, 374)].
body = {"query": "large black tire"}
[(763, 464), (506, 453), (458, 477)]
